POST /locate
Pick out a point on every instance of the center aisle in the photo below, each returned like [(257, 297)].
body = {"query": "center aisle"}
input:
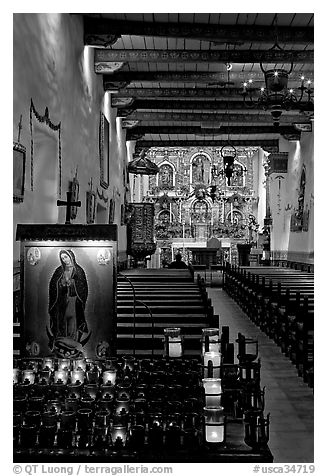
[(289, 400)]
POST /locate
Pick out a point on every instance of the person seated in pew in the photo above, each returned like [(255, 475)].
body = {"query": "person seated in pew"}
[(178, 263)]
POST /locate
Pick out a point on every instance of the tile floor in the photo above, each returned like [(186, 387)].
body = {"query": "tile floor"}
[(288, 399)]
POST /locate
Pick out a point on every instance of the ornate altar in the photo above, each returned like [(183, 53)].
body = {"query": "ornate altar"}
[(68, 283), (140, 230)]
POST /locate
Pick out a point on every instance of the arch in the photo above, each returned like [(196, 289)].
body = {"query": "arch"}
[(197, 166), (173, 168)]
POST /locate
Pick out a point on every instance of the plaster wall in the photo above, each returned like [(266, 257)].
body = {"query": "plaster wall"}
[(52, 67)]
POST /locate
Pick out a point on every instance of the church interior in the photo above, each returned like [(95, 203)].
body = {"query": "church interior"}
[(139, 138)]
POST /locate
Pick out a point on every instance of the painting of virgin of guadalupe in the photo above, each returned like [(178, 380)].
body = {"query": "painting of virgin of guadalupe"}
[(68, 292)]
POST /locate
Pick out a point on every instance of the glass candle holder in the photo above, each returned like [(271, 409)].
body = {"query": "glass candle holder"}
[(64, 364), (16, 376), (67, 419), (91, 389), (173, 435), (77, 376), (122, 405), (214, 422), (47, 436), (84, 418), (256, 429), (49, 418), (28, 376), (28, 435), (140, 405), (87, 401), (53, 406), (45, 376), (191, 420), (65, 438), (36, 403), (247, 348), (61, 376), (92, 376), (213, 392), (109, 377), (102, 418), (129, 362), (107, 392), (254, 398), (111, 364), (249, 373), (74, 390), (173, 342), (137, 436), (123, 390), (119, 434), (79, 364), (211, 365), (156, 434), (33, 418), (210, 340), (48, 363)]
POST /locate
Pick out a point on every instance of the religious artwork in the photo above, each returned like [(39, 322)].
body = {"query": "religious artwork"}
[(140, 230), (112, 207), (297, 217), (200, 169), (19, 159), (165, 179), (68, 297), (90, 206), (68, 291), (104, 151)]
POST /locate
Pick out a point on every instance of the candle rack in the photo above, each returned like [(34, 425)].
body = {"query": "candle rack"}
[(155, 408)]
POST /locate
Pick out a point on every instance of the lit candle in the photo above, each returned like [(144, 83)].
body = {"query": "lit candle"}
[(77, 376), (63, 364), (173, 342), (61, 375), (118, 431), (16, 373), (122, 405), (29, 375), (214, 424), (109, 376), (212, 389), (48, 363), (79, 364), (212, 362)]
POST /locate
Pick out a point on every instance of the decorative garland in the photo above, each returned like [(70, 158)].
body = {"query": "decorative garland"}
[(55, 127)]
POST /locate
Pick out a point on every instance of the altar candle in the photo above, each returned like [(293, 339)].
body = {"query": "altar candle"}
[(77, 376), (215, 359), (109, 376), (29, 375), (122, 404), (212, 388), (61, 375), (210, 340)]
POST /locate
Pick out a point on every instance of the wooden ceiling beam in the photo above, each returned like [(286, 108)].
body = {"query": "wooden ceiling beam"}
[(102, 56), (123, 78), (197, 130), (270, 145), (230, 118), (176, 105), (193, 93), (102, 31)]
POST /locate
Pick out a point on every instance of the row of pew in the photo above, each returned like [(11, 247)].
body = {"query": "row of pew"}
[(281, 302)]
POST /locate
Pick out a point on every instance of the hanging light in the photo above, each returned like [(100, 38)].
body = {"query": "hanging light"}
[(276, 96), (141, 165)]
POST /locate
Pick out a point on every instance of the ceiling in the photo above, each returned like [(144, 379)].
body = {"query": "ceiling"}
[(169, 79)]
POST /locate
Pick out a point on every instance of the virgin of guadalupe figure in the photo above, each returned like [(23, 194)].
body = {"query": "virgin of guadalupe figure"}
[(68, 292)]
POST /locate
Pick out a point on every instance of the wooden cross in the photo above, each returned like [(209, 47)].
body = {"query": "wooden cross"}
[(69, 204)]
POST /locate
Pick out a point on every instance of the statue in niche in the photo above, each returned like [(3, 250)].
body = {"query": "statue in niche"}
[(165, 177), (68, 291), (200, 213), (200, 169)]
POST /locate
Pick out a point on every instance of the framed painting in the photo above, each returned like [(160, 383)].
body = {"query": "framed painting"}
[(19, 160), (104, 140)]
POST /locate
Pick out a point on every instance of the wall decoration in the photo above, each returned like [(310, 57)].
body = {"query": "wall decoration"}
[(297, 218), (90, 207), (45, 119), (140, 230), (104, 151), (68, 297), (112, 207), (19, 160), (33, 255), (74, 189)]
